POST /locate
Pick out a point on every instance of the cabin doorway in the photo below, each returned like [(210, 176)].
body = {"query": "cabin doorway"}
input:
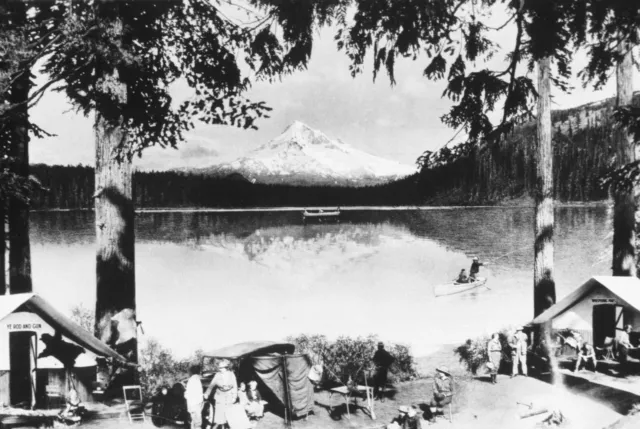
[(605, 319), (22, 373)]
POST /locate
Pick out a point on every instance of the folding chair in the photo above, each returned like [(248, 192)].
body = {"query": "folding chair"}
[(135, 407)]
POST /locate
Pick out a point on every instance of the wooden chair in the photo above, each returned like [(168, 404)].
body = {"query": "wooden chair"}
[(135, 407)]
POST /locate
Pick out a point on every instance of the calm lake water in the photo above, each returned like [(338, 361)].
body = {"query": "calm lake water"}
[(206, 280)]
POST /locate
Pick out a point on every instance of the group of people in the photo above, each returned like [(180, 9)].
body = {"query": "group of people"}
[(230, 401), (518, 347), (473, 272), (410, 417)]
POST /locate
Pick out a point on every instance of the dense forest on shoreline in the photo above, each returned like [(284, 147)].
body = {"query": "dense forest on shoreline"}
[(487, 175), (492, 173), (73, 187)]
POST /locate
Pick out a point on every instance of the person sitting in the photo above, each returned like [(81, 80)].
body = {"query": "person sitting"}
[(414, 418), (399, 421), (254, 406), (442, 391), (586, 354), (242, 395), (462, 277), (623, 344)]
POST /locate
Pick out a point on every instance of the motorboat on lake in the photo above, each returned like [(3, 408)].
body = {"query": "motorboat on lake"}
[(321, 214)]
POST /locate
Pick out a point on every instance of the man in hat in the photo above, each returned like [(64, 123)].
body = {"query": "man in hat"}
[(475, 269), (442, 390), (382, 360), (226, 387), (519, 347), (399, 422)]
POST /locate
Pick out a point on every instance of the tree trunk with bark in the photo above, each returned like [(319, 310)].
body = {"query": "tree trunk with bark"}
[(624, 200), (3, 245), (19, 246), (544, 285), (115, 292)]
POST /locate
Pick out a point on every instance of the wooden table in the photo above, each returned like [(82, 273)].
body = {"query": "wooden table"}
[(348, 393)]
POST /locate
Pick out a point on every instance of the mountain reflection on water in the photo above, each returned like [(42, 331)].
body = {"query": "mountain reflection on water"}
[(373, 272)]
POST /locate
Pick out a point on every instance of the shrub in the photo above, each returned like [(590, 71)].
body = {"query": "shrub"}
[(84, 317), (350, 358), (473, 353), (159, 368)]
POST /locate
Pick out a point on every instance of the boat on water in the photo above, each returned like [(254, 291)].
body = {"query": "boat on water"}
[(455, 288), (321, 214)]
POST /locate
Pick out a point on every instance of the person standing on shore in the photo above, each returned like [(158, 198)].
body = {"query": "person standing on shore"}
[(382, 360), (494, 350), (226, 395), (519, 347), (193, 395)]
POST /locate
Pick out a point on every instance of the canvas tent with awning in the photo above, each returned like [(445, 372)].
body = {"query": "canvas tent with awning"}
[(24, 318), (597, 309), (282, 374)]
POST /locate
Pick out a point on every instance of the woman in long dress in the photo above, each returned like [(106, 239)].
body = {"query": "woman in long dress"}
[(226, 394), (494, 350)]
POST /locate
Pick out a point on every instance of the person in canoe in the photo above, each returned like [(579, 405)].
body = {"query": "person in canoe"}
[(475, 269), (462, 277)]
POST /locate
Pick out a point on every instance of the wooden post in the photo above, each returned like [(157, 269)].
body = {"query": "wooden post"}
[(544, 294)]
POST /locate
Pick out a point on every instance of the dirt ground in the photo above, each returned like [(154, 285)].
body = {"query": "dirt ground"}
[(478, 404)]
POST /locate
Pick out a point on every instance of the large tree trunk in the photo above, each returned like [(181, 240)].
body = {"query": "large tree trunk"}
[(3, 244), (624, 200), (544, 285), (19, 249), (115, 293)]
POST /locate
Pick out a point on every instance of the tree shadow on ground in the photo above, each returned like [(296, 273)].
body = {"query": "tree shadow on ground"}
[(616, 399)]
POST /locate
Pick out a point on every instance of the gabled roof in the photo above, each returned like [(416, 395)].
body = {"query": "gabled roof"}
[(251, 348), (626, 288), (58, 321)]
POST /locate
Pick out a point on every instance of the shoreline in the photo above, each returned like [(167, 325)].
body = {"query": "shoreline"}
[(503, 205)]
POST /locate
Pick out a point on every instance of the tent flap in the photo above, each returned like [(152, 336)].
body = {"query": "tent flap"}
[(270, 369)]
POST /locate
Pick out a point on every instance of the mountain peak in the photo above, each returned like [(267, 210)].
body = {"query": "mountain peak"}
[(304, 156)]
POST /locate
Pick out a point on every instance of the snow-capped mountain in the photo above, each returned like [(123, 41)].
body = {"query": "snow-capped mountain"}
[(304, 156)]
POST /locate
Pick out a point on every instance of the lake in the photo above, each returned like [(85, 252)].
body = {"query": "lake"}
[(209, 279)]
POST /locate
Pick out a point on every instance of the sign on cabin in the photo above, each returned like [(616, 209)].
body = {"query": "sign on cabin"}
[(24, 326), (604, 301)]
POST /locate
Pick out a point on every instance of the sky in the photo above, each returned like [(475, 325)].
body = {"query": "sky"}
[(397, 123)]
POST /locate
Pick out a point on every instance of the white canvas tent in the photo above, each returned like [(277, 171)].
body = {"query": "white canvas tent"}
[(24, 318), (597, 309)]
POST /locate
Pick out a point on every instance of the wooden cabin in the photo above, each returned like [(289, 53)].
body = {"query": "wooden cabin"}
[(30, 381)]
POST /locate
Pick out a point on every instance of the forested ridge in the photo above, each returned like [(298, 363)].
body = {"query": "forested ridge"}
[(490, 173)]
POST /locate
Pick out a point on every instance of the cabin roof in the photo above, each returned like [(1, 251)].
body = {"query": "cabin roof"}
[(626, 288), (36, 304)]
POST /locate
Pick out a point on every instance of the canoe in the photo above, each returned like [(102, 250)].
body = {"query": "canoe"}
[(456, 288)]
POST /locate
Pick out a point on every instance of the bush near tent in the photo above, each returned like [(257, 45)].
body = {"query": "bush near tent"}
[(473, 353), (348, 357)]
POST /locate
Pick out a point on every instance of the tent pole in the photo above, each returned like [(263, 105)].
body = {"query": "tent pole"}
[(287, 397)]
